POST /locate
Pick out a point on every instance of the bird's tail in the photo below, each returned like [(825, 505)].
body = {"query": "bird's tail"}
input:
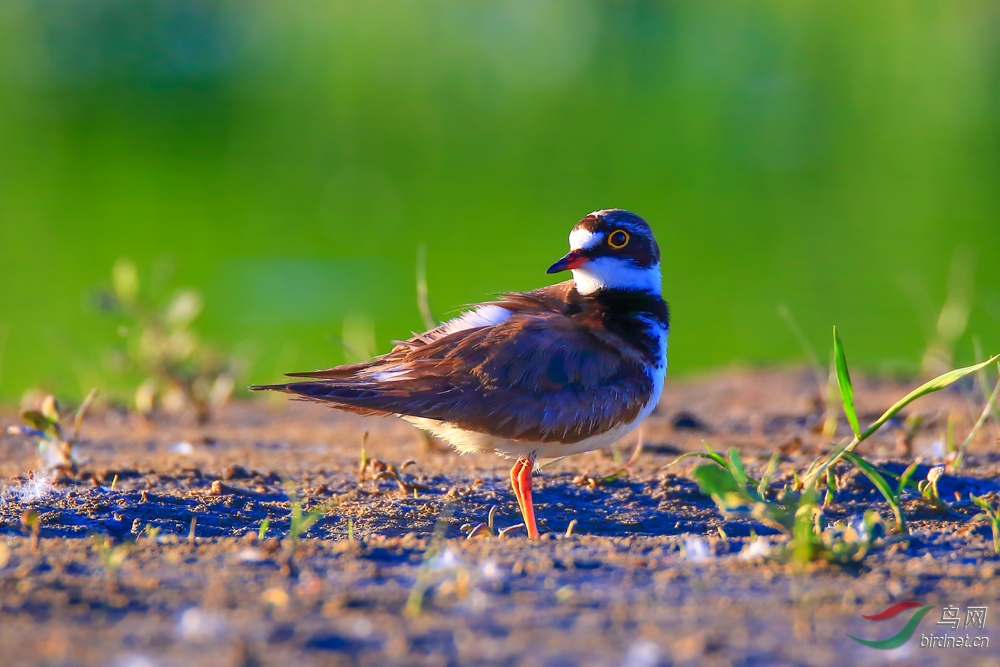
[(269, 387), (352, 397)]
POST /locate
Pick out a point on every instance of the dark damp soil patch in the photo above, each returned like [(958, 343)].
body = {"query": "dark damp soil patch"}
[(652, 574)]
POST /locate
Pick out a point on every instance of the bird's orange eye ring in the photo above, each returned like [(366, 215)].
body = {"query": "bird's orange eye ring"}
[(618, 239)]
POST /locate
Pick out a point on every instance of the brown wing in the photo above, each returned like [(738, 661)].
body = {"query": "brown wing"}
[(545, 301), (538, 376)]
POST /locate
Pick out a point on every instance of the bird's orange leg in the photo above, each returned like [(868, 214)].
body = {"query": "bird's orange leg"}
[(520, 480), (513, 484)]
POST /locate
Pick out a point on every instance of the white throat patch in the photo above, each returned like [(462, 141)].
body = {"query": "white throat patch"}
[(614, 273)]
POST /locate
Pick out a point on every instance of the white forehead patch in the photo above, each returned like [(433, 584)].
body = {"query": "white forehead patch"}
[(583, 239)]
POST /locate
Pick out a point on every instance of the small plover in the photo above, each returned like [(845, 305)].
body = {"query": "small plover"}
[(560, 370)]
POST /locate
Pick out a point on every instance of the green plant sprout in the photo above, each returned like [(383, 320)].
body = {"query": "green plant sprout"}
[(796, 515), (55, 449), (423, 295), (624, 467), (991, 401), (181, 370), (152, 532), (488, 528), (977, 350), (876, 478), (381, 470), (407, 486), (725, 480), (262, 532), (300, 520), (831, 488), (794, 510), (850, 543), (990, 514), (953, 318), (112, 558), (363, 465), (825, 379), (31, 522), (904, 479), (951, 452), (847, 395), (415, 600), (928, 488)]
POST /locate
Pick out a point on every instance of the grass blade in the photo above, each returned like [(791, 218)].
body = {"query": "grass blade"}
[(981, 503), (736, 468), (990, 402), (831, 485), (765, 481), (844, 380), (883, 486), (937, 384), (81, 413), (977, 347), (817, 366), (708, 455), (716, 482), (904, 479), (423, 298), (929, 387)]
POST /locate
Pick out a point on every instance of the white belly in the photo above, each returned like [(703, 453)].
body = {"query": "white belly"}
[(468, 442)]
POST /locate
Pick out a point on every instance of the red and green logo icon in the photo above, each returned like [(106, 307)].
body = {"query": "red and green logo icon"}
[(903, 635)]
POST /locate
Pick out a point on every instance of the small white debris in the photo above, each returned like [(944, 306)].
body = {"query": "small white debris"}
[(478, 601), (133, 660), (185, 448), (857, 524), (197, 624), (251, 555), (696, 549), (36, 488), (490, 571), (757, 549), (643, 653), (445, 560), (937, 449), (362, 628)]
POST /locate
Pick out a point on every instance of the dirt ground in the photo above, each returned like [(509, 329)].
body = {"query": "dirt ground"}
[(387, 577)]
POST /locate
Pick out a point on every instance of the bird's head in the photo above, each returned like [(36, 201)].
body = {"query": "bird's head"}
[(612, 249)]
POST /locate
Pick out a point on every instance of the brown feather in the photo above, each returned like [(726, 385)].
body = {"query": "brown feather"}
[(553, 371)]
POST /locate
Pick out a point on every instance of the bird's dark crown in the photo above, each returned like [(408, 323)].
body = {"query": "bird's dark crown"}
[(597, 233)]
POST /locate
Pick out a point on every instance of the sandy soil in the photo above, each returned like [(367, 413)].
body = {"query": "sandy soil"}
[(645, 579)]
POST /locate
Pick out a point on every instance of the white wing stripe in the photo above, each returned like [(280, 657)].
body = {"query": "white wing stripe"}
[(484, 316)]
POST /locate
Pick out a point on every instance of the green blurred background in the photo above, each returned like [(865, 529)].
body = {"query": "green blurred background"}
[(288, 158)]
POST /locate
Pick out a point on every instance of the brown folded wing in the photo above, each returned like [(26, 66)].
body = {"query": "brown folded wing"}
[(541, 376)]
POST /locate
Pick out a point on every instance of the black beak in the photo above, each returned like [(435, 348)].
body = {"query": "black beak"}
[(572, 260)]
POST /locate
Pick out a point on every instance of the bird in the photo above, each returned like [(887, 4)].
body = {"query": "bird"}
[(560, 370)]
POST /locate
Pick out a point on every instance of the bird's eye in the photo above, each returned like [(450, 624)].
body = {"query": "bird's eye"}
[(618, 239)]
